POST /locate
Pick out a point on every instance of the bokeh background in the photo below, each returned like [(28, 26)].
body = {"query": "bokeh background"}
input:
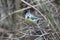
[(13, 25)]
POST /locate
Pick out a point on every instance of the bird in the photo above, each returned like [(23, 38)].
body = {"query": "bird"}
[(30, 17)]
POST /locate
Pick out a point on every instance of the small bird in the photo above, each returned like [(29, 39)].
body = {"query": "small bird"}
[(32, 18)]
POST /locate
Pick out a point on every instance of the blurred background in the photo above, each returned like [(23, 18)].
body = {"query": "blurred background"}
[(14, 26)]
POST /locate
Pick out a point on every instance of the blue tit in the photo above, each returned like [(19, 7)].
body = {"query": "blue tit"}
[(31, 18)]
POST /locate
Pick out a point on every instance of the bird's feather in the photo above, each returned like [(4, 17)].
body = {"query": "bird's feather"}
[(31, 17)]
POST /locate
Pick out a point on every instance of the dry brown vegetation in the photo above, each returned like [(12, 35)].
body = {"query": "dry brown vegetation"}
[(13, 25)]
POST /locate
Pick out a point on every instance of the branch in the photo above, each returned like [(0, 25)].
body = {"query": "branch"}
[(9, 14), (35, 9)]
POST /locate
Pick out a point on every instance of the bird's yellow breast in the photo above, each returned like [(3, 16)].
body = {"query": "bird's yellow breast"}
[(30, 20)]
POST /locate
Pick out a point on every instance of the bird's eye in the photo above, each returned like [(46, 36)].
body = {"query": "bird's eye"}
[(28, 17)]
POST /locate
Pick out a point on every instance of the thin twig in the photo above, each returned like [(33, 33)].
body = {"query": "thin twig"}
[(9, 14), (34, 8)]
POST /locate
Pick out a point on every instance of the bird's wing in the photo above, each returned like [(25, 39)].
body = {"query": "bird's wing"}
[(34, 18)]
